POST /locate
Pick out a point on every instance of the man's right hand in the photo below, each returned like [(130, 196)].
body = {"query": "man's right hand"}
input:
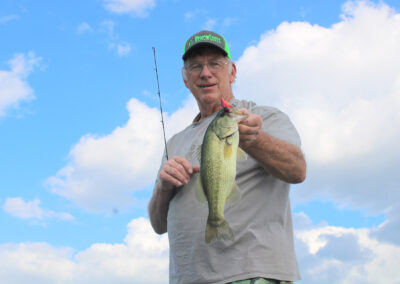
[(176, 172)]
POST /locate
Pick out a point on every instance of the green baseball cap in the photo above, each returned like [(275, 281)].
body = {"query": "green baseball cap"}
[(206, 38)]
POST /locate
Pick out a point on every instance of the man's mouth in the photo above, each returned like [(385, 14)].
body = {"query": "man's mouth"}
[(207, 85)]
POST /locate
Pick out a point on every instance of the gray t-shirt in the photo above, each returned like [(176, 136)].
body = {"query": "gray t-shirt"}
[(261, 220)]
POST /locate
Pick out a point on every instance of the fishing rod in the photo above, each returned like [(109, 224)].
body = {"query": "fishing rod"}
[(159, 96)]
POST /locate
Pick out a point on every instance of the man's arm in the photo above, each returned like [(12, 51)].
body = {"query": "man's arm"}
[(280, 158), (175, 173), (158, 208)]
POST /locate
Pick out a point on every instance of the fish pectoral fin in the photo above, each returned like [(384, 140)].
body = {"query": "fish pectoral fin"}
[(234, 196), (241, 155), (198, 190)]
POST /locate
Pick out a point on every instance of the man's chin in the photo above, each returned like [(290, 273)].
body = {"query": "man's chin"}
[(211, 98)]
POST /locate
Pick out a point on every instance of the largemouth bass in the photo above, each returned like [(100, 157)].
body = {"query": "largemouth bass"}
[(218, 170)]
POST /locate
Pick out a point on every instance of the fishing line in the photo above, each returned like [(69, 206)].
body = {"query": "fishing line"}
[(159, 96)]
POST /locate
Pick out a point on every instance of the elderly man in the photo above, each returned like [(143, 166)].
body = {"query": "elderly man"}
[(262, 250)]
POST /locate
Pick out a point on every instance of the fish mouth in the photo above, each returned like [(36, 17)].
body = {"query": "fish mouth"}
[(230, 135), (232, 131)]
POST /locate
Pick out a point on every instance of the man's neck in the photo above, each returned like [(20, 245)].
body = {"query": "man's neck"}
[(210, 109)]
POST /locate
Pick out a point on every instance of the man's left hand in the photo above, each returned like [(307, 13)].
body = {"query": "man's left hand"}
[(249, 129)]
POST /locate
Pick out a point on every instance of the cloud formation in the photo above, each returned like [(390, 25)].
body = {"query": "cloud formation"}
[(341, 87), (344, 254), (104, 171), (17, 207), (122, 49), (84, 28), (5, 19), (210, 24), (138, 8), (324, 253), (14, 89), (141, 258)]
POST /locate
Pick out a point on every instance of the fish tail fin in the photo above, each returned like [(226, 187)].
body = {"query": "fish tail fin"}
[(220, 231)]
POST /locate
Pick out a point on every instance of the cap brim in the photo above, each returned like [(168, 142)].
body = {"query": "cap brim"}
[(200, 44)]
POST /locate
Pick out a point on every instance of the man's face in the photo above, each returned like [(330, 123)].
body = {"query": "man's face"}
[(209, 84)]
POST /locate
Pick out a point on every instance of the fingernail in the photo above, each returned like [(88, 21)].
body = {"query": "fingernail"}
[(190, 171)]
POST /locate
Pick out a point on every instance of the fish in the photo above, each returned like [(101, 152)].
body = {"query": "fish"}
[(216, 184)]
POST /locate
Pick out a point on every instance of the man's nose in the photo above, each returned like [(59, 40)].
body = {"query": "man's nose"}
[(205, 71)]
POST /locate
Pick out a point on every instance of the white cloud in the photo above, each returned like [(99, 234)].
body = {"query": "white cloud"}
[(123, 49), (210, 24), (138, 8), (108, 26), (141, 258), (191, 15), (35, 263), (229, 21), (103, 172), (84, 28), (389, 231), (324, 252), (17, 207), (345, 254), (13, 86), (5, 19), (341, 87)]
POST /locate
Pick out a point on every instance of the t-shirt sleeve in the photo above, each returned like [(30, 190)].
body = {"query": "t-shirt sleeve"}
[(277, 124)]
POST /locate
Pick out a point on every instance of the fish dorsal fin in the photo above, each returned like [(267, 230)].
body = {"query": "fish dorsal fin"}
[(198, 189), (241, 155), (234, 196)]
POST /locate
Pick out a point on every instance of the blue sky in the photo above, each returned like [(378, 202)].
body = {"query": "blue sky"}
[(81, 136)]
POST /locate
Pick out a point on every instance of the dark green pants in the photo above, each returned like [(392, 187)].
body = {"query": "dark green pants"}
[(261, 281)]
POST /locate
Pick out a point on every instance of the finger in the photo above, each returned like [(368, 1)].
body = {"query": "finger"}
[(171, 168), (185, 164), (169, 180), (178, 171), (196, 169), (252, 122), (244, 111), (247, 130)]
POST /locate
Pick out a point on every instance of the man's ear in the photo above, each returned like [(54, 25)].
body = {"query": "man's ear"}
[(232, 76), (184, 77)]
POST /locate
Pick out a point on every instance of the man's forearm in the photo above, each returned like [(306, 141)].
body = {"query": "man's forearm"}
[(280, 158), (158, 208)]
